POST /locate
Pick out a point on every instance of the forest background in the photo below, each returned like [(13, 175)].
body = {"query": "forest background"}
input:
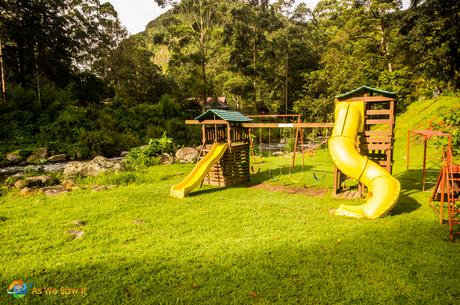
[(74, 81)]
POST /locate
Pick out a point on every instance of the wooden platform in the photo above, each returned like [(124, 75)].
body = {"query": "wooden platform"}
[(349, 194), (233, 167)]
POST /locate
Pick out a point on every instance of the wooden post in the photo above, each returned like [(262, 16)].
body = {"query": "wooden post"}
[(296, 140), (424, 163), (408, 149), (2, 73), (229, 140), (301, 148)]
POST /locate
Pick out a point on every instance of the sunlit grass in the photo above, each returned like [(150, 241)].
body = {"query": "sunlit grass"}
[(236, 245)]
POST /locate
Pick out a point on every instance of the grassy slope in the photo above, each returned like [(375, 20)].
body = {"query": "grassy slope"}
[(235, 245)]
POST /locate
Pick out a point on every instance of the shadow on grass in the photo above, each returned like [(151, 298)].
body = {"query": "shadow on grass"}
[(3, 219), (372, 266), (405, 204), (411, 180)]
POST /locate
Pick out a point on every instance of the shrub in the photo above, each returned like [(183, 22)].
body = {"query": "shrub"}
[(450, 123), (148, 155)]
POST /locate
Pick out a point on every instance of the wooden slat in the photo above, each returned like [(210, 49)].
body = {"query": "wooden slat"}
[(379, 121), (377, 133), (375, 146), (378, 112)]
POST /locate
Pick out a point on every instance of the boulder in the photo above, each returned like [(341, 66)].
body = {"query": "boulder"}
[(57, 158), (38, 156), (278, 153), (166, 159), (39, 181), (70, 185), (91, 168), (53, 190), (14, 157), (41, 152), (20, 184), (187, 155), (27, 191)]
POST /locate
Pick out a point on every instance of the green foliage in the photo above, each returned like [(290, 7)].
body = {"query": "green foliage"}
[(450, 123), (148, 155)]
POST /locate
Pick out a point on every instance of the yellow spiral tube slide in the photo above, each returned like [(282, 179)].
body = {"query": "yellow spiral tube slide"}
[(383, 189)]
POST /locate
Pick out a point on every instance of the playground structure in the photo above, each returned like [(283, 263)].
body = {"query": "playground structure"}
[(376, 135), (227, 163), (223, 164), (426, 135), (447, 188)]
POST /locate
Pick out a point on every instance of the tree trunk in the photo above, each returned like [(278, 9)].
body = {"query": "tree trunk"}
[(2, 73)]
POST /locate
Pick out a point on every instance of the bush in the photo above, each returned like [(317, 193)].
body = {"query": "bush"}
[(148, 155), (450, 123)]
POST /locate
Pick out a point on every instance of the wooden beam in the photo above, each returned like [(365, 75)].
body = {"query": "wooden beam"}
[(369, 99), (206, 122), (287, 125)]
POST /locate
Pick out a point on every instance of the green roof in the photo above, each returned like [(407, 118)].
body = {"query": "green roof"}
[(365, 89), (226, 115)]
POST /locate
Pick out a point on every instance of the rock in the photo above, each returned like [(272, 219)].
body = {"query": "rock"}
[(76, 233), (187, 155), (124, 153), (166, 159), (91, 168), (20, 184), (57, 158), (14, 157), (278, 153), (41, 152), (26, 191), (38, 156), (70, 185), (103, 188), (39, 181), (78, 223), (53, 190)]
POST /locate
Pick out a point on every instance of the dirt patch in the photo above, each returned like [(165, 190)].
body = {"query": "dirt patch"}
[(290, 189)]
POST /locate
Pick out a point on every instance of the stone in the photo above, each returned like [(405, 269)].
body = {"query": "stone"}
[(187, 155), (20, 184), (57, 158), (124, 153), (166, 159), (103, 188), (70, 185), (91, 168), (41, 152), (53, 190), (39, 181), (278, 153), (13, 157), (38, 156), (26, 191), (76, 233), (78, 222)]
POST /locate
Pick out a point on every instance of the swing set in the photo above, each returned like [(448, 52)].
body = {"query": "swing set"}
[(292, 123)]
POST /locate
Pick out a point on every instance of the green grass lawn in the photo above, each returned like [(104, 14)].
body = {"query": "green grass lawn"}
[(237, 245)]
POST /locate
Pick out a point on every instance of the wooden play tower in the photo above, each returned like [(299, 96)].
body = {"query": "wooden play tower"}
[(225, 126), (377, 139)]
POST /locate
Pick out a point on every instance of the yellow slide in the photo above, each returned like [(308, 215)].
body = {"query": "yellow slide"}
[(383, 188), (199, 172)]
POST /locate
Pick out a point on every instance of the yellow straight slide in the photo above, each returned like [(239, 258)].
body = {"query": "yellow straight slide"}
[(199, 172), (383, 188)]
